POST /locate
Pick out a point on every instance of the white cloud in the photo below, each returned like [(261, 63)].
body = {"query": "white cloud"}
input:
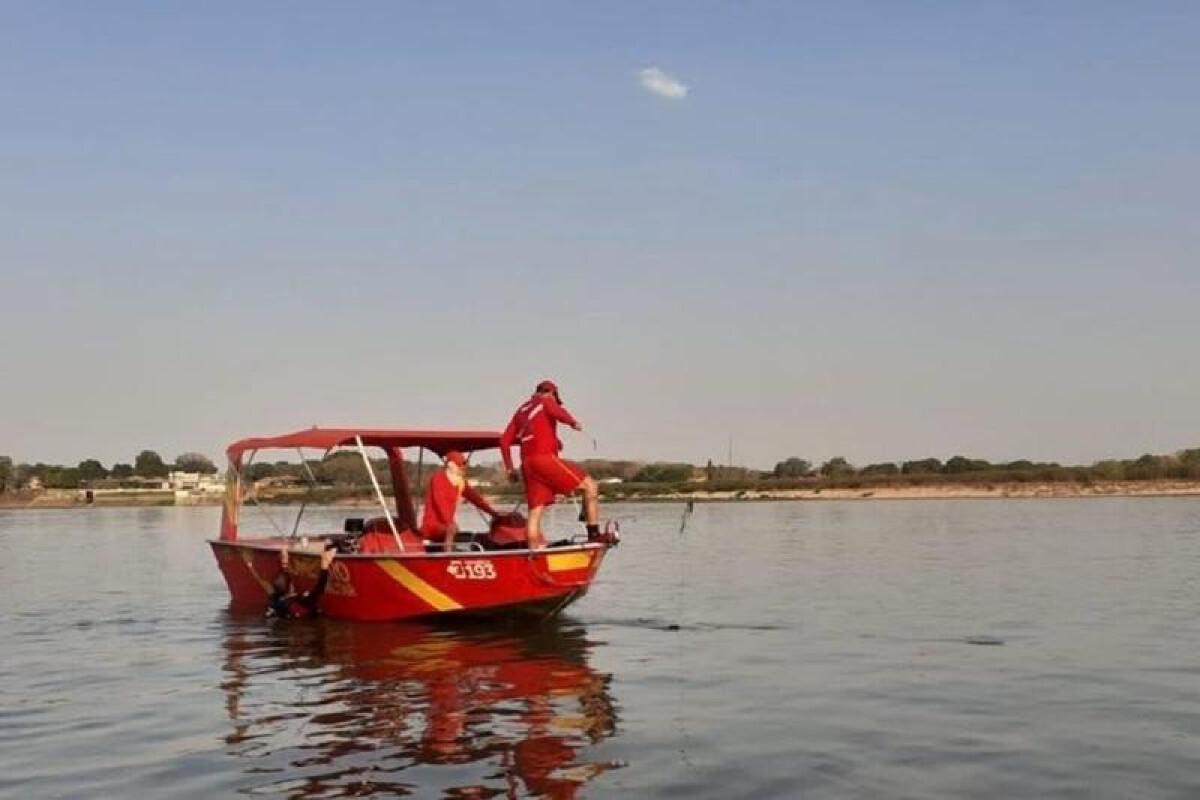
[(655, 80)]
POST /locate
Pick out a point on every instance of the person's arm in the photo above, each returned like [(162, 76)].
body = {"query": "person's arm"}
[(439, 500), (506, 442), (276, 598), (312, 597), (559, 414), (478, 500), (279, 584)]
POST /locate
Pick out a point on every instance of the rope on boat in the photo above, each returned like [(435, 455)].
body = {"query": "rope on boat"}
[(595, 444), (680, 722), (687, 514), (688, 508)]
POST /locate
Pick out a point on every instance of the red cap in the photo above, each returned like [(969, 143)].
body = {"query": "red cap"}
[(455, 457), (547, 386)]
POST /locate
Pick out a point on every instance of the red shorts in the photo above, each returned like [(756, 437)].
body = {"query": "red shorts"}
[(547, 476)]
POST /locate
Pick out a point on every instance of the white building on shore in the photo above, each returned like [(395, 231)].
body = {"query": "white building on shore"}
[(195, 485)]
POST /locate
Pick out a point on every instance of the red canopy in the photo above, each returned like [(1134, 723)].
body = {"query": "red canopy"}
[(440, 442)]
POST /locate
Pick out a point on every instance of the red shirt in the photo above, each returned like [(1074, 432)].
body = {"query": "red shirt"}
[(441, 502), (535, 427)]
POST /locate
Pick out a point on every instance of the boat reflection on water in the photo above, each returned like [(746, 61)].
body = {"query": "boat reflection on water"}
[(334, 709)]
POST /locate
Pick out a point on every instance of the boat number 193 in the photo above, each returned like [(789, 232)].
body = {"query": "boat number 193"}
[(472, 570)]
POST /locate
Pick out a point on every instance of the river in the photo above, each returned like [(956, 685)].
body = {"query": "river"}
[(857, 649)]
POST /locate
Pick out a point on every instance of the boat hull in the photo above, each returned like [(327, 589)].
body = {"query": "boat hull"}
[(382, 587)]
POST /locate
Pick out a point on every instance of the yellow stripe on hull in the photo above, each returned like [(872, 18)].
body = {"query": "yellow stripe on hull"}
[(562, 562), (415, 584)]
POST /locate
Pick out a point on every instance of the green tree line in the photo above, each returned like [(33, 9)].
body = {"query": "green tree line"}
[(1181, 465), (346, 469), (91, 471)]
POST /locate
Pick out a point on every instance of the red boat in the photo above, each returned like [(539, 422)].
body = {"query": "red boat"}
[(383, 570)]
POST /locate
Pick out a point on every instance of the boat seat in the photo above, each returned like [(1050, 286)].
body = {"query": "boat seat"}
[(377, 538), (507, 532)]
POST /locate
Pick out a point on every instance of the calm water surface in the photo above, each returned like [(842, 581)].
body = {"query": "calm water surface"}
[(927, 649)]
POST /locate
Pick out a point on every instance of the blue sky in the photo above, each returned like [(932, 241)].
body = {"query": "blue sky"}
[(877, 230)]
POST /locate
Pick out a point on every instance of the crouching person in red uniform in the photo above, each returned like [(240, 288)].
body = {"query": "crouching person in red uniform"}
[(534, 427), (446, 488)]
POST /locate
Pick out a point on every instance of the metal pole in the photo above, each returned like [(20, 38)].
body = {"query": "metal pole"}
[(387, 512), (253, 496), (312, 484), (420, 482)]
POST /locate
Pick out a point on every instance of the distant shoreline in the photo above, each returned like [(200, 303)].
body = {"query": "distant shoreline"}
[(943, 491), (1015, 491)]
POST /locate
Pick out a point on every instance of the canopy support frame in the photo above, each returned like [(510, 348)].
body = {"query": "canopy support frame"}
[(252, 495), (387, 512)]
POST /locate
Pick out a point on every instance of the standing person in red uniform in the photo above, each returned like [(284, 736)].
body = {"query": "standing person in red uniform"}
[(446, 488), (534, 428)]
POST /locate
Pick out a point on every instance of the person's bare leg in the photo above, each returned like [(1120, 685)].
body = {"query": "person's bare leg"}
[(536, 540), (591, 501)]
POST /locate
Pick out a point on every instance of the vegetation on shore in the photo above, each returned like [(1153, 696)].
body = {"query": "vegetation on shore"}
[(91, 473), (341, 476)]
